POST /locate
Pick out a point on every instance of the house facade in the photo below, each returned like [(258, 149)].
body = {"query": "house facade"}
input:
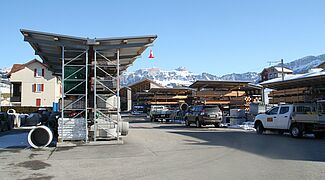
[(273, 72), (33, 84)]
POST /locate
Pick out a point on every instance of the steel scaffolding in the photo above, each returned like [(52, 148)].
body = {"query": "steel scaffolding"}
[(74, 100), (106, 87)]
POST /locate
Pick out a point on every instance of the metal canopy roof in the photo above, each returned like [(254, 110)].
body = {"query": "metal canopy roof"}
[(230, 85), (311, 81), (49, 47)]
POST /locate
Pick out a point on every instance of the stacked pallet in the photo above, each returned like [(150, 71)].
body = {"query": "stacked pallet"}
[(238, 100), (209, 93), (73, 129), (294, 95)]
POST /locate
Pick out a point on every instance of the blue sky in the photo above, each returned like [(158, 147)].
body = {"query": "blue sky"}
[(218, 37)]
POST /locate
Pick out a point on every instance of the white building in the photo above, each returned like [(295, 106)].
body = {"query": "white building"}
[(33, 84)]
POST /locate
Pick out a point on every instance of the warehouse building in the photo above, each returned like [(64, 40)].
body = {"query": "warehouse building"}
[(228, 94), (171, 96), (298, 88), (141, 97)]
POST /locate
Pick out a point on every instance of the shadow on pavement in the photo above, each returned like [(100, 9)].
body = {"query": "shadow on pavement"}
[(270, 146), (138, 121)]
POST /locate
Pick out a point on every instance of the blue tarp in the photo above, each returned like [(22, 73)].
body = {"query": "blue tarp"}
[(14, 139)]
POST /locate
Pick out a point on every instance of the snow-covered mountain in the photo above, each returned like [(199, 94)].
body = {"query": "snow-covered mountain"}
[(304, 64), (183, 77), (180, 76), (4, 82)]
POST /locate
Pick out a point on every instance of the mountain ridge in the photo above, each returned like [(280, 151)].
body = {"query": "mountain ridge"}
[(183, 77)]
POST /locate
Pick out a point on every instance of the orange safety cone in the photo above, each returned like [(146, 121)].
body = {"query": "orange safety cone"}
[(151, 54)]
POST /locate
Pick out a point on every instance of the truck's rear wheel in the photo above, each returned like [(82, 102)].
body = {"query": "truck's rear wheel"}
[(259, 128), (296, 131)]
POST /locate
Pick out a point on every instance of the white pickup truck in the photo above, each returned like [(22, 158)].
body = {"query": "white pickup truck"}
[(294, 118)]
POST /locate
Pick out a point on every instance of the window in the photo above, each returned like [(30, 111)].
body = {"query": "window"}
[(39, 72), (274, 111), (303, 109), (284, 110), (37, 87)]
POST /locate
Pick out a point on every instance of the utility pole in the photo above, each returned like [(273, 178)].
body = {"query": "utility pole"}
[(282, 69)]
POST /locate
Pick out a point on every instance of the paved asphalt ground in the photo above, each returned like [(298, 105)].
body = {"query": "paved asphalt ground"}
[(172, 151)]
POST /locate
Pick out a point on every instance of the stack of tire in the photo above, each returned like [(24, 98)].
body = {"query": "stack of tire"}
[(46, 128), (6, 122)]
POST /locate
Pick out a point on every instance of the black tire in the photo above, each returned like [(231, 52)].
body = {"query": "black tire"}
[(259, 128), (198, 123), (319, 135), (10, 124), (217, 125), (296, 131)]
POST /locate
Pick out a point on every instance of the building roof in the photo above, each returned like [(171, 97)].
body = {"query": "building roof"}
[(18, 67), (125, 87), (285, 70), (314, 78), (145, 80), (49, 47), (227, 85), (322, 65), (278, 69)]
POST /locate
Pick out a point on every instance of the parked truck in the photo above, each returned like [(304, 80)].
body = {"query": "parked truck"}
[(298, 119), (160, 112)]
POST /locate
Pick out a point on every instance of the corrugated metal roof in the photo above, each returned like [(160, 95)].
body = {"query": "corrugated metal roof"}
[(49, 47)]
